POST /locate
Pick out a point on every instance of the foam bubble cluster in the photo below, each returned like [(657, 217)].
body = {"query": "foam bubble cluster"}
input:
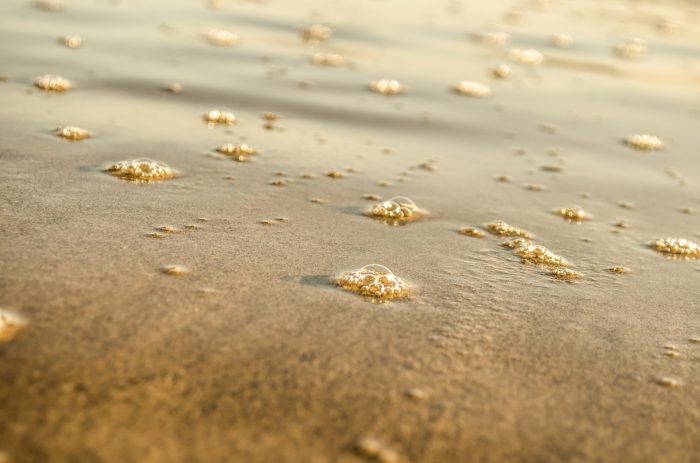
[(473, 232), (375, 281), (501, 71), (222, 38), (141, 170), (557, 266), (562, 40), (217, 116), (644, 142), (573, 214), (525, 56), (73, 41), (678, 248), (501, 228), (327, 59), (241, 152), (634, 48), (497, 38), (175, 270), (11, 324), (316, 33), (52, 83), (72, 133), (386, 87), (474, 89), (396, 211)]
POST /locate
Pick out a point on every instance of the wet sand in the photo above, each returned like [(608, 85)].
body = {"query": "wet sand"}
[(255, 355)]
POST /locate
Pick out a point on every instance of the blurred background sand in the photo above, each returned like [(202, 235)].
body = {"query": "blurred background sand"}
[(254, 356)]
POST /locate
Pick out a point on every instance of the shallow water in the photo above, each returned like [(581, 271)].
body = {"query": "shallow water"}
[(254, 354)]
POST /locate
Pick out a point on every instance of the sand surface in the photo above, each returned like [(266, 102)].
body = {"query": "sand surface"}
[(254, 355)]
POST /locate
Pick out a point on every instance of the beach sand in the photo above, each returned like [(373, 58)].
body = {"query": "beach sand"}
[(254, 355)]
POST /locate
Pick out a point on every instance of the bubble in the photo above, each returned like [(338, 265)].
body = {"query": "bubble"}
[(525, 56), (369, 447), (222, 38), (573, 214), (537, 254), (372, 197), (677, 248), (52, 83), (217, 116), (166, 229), (626, 205), (156, 235), (316, 33), (535, 187), (644, 142), (501, 71), (175, 270), (386, 87), (375, 281), (73, 41), (335, 174), (564, 274), (280, 182), (694, 340), (72, 133), (11, 324), (397, 211), (474, 89), (501, 228), (173, 87), (141, 171), (618, 270), (269, 116), (327, 59), (473, 232), (667, 382), (562, 40), (50, 5), (633, 49), (497, 38), (241, 152)]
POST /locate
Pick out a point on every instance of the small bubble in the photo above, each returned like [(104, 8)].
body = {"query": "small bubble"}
[(73, 41), (553, 169), (173, 87), (369, 447), (52, 83), (548, 128), (386, 87), (537, 254), (72, 133), (335, 174), (622, 224), (495, 39), (269, 116), (618, 270), (372, 197), (141, 170), (525, 56), (564, 274), (632, 49), (327, 59), (473, 89), (175, 270), (317, 200), (50, 5), (397, 211), (375, 281), (677, 248), (672, 354), (156, 235), (503, 229), (240, 153), (166, 229), (217, 116), (694, 340), (501, 71), (625, 205), (535, 187), (686, 210), (316, 33), (562, 40), (280, 182), (473, 232), (573, 214), (416, 394), (644, 142), (504, 178), (222, 38), (11, 324)]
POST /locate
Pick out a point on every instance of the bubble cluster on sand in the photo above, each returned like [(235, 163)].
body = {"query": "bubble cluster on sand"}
[(52, 83), (668, 382), (473, 232), (618, 270), (564, 274), (316, 33), (475, 89), (370, 447), (175, 270), (11, 324), (217, 116), (573, 214), (375, 281), (501, 228), (141, 170), (496, 38), (678, 248), (557, 266), (222, 37), (173, 87), (386, 87), (327, 59), (240, 152), (633, 48), (72, 133), (396, 211), (73, 41), (562, 40), (644, 142), (501, 71), (525, 56)]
